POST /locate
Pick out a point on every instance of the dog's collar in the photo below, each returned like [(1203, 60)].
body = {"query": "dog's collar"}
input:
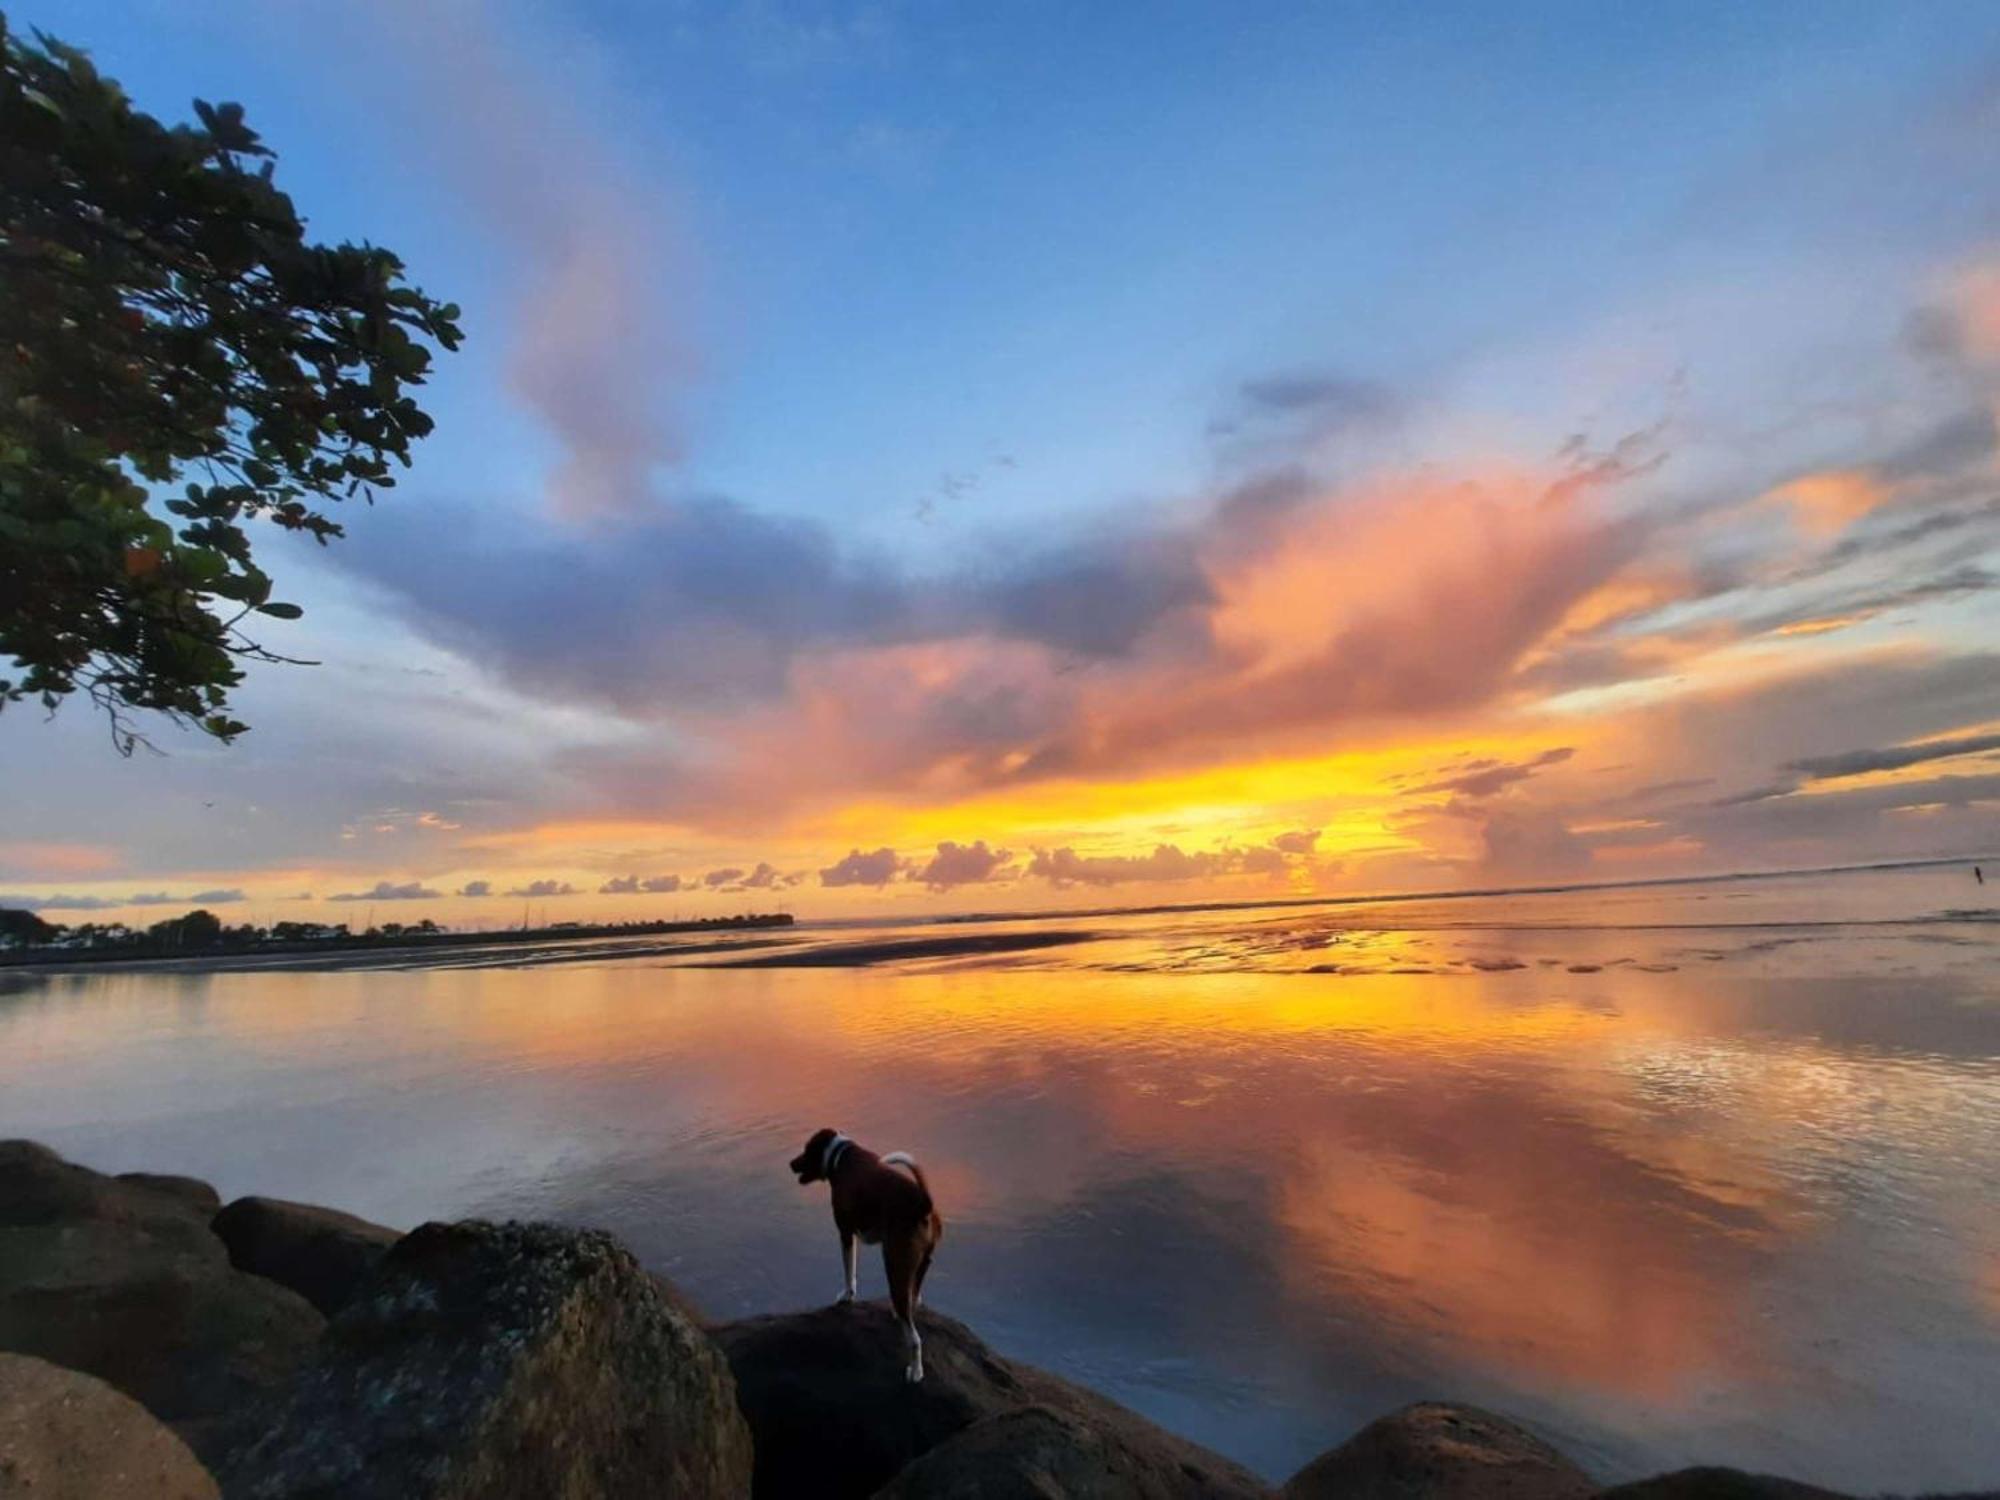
[(830, 1157)]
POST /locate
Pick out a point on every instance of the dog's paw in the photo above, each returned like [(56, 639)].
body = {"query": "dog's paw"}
[(843, 1299), (914, 1373)]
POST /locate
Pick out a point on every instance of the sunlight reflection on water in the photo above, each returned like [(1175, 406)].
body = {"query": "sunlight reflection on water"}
[(1718, 1214)]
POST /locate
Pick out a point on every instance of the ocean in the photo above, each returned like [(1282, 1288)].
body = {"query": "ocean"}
[(1678, 1173)]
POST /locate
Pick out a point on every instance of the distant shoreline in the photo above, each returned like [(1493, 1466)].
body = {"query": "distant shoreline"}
[(363, 943)]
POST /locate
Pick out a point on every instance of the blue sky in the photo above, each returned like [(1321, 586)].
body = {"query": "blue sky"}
[(911, 240), (900, 364)]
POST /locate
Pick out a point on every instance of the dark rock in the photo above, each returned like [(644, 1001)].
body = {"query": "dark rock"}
[(503, 1361), (65, 1435), (1439, 1451), (1038, 1453), (41, 1188), (192, 1191), (833, 1417), (320, 1253), (1719, 1484), (122, 1279)]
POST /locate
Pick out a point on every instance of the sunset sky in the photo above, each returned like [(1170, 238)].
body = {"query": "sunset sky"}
[(922, 458)]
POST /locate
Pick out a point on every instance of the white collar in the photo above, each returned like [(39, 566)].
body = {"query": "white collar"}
[(830, 1157)]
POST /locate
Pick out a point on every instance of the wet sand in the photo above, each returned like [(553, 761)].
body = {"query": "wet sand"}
[(895, 950)]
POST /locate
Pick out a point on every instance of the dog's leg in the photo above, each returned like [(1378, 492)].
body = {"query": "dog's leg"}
[(934, 1232), (850, 1260), (899, 1259)]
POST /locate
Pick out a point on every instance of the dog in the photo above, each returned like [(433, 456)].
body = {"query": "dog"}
[(873, 1203)]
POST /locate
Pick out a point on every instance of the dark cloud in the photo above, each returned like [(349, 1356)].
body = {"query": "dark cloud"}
[(1265, 498), (1904, 819), (609, 615), (1292, 409), (1921, 528), (1654, 789), (1167, 862), (706, 608), (385, 890), (1485, 778), (1743, 734), (1151, 642), (476, 888), (539, 888), (1814, 768), (1863, 603), (61, 902), (1264, 859), (1762, 793), (763, 878), (962, 864), (1315, 392), (1529, 842), (1100, 599), (640, 885), (1301, 841), (1890, 758), (1960, 442), (716, 879), (876, 868)]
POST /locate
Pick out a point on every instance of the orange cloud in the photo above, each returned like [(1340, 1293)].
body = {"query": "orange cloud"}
[(1975, 299), (1826, 503), (27, 859)]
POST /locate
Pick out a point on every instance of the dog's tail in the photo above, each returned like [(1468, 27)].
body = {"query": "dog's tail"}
[(904, 1159)]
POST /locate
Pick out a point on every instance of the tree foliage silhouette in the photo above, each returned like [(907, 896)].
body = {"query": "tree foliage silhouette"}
[(177, 361)]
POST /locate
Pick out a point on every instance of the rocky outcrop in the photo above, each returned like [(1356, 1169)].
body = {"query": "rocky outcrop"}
[(1439, 1451), (833, 1417), (1718, 1484), (320, 1253), (65, 1435), (504, 1361), (120, 1278)]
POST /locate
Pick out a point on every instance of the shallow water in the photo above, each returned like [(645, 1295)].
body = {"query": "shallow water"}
[(1684, 1174)]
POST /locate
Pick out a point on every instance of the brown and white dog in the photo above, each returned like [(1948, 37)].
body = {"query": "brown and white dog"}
[(876, 1204)]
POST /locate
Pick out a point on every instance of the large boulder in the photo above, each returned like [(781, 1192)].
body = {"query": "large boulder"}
[(65, 1435), (320, 1253), (1718, 1484), (122, 1279), (1440, 1451), (834, 1418), (1039, 1453), (192, 1191), (500, 1361)]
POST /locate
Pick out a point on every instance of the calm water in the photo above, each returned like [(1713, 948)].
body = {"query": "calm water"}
[(1687, 1174)]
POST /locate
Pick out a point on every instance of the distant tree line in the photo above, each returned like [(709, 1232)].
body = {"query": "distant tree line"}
[(203, 931), (195, 931)]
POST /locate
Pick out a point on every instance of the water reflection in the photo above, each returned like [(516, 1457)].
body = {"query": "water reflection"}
[(1674, 1216)]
